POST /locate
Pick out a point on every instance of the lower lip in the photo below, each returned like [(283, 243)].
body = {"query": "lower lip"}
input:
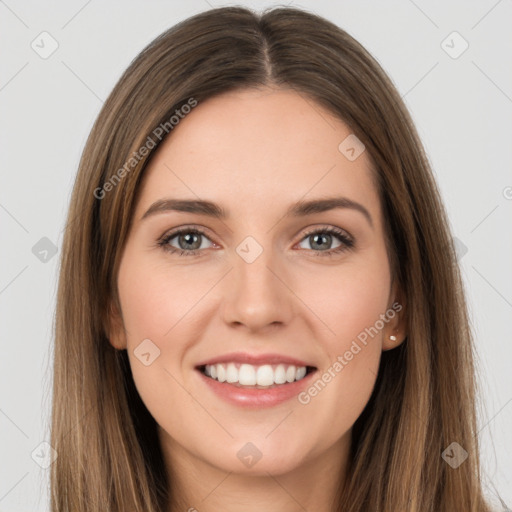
[(256, 397)]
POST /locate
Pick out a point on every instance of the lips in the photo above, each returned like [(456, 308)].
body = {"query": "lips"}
[(254, 359), (255, 380)]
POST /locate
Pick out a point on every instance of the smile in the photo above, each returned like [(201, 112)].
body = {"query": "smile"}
[(249, 380)]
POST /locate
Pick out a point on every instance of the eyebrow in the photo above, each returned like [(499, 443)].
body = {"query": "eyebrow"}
[(299, 209)]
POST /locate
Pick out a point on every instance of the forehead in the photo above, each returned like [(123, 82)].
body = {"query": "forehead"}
[(255, 149)]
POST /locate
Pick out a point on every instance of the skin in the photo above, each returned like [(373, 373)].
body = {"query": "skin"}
[(255, 152)]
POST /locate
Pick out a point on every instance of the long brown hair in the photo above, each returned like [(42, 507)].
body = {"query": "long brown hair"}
[(109, 457)]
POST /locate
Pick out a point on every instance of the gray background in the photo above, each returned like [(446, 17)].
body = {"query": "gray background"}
[(462, 107)]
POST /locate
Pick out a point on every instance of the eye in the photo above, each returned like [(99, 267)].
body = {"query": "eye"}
[(189, 241), (320, 239)]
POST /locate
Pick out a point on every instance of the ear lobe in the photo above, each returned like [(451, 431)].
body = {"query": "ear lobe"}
[(395, 330), (116, 333)]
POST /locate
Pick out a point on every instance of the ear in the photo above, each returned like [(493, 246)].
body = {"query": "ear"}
[(395, 328), (116, 332)]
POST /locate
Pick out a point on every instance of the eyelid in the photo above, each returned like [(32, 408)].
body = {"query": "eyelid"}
[(325, 228)]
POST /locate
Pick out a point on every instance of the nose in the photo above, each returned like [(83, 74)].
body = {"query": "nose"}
[(258, 294)]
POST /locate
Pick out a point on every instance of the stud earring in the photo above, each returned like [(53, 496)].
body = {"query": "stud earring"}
[(392, 338)]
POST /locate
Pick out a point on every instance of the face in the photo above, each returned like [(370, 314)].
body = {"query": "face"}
[(271, 291)]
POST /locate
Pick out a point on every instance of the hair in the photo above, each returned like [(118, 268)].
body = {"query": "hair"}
[(109, 456)]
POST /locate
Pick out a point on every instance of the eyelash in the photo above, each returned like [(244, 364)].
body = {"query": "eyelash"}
[(346, 242)]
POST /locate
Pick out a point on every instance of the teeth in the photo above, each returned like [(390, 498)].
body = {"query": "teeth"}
[(247, 375), (221, 373), (250, 375), (231, 373), (301, 373), (264, 376), (280, 374)]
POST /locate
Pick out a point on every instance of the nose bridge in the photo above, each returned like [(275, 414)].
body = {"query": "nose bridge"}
[(257, 295)]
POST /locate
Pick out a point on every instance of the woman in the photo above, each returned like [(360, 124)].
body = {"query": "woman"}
[(210, 353)]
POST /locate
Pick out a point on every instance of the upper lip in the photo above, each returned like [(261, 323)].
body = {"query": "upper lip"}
[(254, 359)]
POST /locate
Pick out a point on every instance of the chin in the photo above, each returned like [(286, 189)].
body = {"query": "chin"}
[(258, 459)]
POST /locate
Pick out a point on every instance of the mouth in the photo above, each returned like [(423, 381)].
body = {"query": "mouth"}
[(255, 380), (251, 376)]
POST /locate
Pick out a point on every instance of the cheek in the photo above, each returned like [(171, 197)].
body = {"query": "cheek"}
[(156, 298), (351, 301), (348, 299), (157, 305)]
